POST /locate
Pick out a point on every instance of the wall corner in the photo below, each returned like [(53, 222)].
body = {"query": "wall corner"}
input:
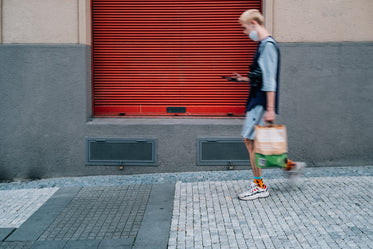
[(268, 13), (84, 22), (1, 21)]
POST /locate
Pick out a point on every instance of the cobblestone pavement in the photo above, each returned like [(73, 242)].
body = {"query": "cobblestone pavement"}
[(318, 212), (16, 206), (328, 208), (101, 213)]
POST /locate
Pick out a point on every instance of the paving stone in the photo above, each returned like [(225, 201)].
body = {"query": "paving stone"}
[(49, 244), (5, 232), (16, 245), (100, 212), (79, 244), (16, 206)]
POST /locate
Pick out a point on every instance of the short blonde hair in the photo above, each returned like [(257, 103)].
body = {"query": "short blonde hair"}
[(250, 15)]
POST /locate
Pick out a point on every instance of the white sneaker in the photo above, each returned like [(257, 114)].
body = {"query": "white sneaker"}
[(298, 168), (245, 193), (254, 193), (296, 172)]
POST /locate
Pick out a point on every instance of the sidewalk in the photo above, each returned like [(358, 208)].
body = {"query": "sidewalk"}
[(328, 208)]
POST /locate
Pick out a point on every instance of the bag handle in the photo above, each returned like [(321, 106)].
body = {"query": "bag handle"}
[(269, 124)]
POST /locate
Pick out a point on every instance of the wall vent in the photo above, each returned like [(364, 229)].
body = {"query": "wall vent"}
[(121, 151), (222, 151)]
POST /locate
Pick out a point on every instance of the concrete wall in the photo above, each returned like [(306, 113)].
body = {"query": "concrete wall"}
[(326, 97), (45, 91), (45, 108), (44, 103)]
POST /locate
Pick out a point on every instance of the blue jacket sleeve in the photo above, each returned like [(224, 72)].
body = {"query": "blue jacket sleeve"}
[(268, 64)]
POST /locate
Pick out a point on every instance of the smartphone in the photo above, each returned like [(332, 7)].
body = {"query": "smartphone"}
[(229, 78)]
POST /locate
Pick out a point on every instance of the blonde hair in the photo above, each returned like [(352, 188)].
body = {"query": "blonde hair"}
[(250, 15)]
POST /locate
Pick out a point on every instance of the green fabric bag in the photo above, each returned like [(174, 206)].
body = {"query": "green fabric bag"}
[(264, 161)]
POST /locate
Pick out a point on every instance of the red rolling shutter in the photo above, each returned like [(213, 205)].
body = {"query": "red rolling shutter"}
[(150, 56)]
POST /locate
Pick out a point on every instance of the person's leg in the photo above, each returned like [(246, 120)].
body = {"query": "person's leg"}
[(257, 172), (250, 148), (258, 189)]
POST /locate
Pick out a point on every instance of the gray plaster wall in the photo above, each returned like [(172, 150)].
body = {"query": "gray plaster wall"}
[(45, 112), (44, 105), (327, 102)]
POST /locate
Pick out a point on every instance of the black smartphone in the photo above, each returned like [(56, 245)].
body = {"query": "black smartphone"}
[(229, 78)]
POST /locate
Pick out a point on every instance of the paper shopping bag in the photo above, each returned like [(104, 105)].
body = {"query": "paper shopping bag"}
[(270, 145)]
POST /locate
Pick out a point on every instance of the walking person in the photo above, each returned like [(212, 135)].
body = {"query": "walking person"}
[(262, 104)]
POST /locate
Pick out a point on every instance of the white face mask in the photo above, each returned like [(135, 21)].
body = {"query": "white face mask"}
[(254, 35)]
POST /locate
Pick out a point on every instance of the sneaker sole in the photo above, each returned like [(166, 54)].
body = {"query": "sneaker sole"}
[(260, 195)]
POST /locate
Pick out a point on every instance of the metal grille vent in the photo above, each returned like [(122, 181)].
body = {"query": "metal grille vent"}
[(222, 151), (121, 151)]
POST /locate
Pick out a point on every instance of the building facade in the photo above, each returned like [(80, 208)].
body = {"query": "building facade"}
[(122, 87)]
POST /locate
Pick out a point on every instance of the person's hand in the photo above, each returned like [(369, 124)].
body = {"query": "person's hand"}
[(270, 116), (239, 77)]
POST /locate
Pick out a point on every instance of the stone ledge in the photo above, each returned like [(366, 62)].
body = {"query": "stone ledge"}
[(165, 121)]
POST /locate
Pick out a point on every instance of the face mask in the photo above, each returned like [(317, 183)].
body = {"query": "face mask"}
[(254, 35)]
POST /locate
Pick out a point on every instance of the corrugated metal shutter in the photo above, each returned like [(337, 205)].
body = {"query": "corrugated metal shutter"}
[(152, 54)]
